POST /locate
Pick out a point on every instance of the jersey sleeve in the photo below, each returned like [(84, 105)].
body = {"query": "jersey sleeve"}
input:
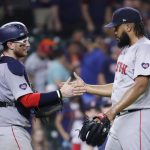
[(17, 84), (142, 61)]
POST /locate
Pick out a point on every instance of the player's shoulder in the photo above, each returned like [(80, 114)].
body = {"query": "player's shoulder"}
[(144, 45), (14, 65), (144, 42)]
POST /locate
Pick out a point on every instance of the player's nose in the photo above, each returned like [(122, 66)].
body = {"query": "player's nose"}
[(27, 44), (115, 33)]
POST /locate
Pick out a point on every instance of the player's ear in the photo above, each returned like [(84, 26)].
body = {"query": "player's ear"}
[(129, 27), (11, 45)]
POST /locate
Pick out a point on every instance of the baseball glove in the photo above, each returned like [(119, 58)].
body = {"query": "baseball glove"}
[(95, 131)]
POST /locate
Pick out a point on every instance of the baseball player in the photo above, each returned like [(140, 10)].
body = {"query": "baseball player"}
[(130, 92), (16, 96)]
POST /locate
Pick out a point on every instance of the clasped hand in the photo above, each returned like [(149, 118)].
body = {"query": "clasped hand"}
[(74, 88)]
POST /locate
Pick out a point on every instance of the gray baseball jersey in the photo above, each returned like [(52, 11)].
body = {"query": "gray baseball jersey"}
[(132, 62), (131, 130), (13, 84)]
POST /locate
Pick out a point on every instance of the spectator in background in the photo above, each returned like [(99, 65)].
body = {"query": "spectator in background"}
[(110, 67), (39, 142), (76, 106), (67, 17), (75, 52), (92, 62), (106, 74), (132, 3), (63, 124), (89, 110), (78, 36), (57, 70), (94, 12), (71, 114), (37, 63), (99, 42), (18, 10), (42, 15), (1, 10), (96, 57), (36, 66)]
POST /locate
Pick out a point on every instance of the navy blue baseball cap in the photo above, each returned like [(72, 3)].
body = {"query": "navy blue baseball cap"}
[(124, 15)]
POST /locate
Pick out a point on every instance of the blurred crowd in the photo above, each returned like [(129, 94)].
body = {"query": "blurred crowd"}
[(67, 36)]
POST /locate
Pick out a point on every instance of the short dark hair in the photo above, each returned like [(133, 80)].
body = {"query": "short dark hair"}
[(139, 29)]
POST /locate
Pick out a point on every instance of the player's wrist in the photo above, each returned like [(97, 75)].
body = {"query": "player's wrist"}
[(87, 88), (111, 113), (100, 116), (62, 93), (59, 94)]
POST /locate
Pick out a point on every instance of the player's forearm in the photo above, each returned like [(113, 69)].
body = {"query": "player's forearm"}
[(41, 99), (131, 95), (102, 90), (129, 98)]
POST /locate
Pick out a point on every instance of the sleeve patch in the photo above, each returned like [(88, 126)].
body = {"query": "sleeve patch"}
[(23, 86), (145, 65)]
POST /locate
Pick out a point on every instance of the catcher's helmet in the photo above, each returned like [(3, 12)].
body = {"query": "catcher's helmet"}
[(12, 31), (125, 15)]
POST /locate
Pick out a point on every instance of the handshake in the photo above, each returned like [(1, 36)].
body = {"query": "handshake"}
[(94, 132), (74, 88)]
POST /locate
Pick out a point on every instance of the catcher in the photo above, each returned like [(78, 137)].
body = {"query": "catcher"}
[(16, 96), (130, 92)]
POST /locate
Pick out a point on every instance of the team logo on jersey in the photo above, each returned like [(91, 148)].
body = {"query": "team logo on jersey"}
[(145, 65), (23, 86), (121, 67)]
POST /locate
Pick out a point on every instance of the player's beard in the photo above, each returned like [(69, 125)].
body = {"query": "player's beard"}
[(124, 40), (20, 53)]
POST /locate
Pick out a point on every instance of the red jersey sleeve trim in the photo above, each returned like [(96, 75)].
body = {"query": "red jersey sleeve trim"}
[(30, 100)]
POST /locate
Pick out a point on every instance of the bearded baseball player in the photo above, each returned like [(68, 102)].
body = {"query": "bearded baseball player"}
[(130, 92), (16, 95)]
